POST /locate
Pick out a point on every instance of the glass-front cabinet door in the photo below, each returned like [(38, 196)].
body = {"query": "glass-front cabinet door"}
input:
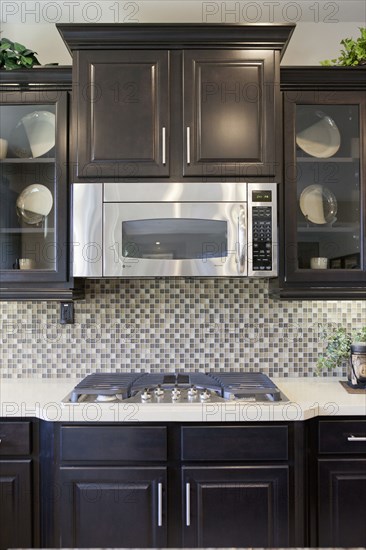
[(33, 167), (324, 187)]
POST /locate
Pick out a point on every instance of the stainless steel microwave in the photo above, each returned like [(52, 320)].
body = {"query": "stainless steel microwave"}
[(156, 229)]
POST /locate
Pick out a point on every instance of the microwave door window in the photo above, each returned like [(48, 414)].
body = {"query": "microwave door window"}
[(175, 239)]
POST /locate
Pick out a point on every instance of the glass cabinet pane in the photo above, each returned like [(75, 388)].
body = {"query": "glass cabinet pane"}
[(27, 187), (328, 186)]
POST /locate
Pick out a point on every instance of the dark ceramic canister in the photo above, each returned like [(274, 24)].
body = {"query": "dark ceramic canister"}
[(357, 370)]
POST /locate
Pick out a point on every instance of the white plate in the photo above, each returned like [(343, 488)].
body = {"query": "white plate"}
[(322, 139), (318, 204), (34, 203), (34, 135)]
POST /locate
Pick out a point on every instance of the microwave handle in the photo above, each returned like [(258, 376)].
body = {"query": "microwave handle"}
[(242, 239)]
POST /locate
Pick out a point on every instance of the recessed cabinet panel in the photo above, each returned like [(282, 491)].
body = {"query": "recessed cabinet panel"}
[(113, 507), (236, 506), (15, 504), (15, 438), (237, 443), (229, 112), (342, 502), (123, 114), (109, 443)]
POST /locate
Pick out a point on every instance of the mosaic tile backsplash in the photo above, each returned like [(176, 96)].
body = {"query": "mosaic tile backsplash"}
[(170, 325)]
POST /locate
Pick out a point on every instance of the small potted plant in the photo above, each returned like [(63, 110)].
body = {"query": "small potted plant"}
[(16, 56), (338, 350), (353, 54)]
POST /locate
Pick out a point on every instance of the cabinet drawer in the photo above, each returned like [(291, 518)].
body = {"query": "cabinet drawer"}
[(113, 443), (235, 443), (342, 436), (15, 438)]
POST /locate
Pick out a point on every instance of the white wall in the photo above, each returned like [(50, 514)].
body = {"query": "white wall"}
[(321, 24)]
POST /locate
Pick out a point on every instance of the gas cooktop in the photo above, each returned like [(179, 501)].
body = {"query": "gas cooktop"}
[(179, 387)]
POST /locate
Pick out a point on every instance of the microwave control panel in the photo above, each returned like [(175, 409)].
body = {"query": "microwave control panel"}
[(262, 206), (262, 238)]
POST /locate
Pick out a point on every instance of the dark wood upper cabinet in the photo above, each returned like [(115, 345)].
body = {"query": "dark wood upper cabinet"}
[(122, 114), (229, 113), (176, 100), (324, 192), (34, 191)]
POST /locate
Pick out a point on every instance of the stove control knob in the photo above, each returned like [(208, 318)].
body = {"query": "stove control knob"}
[(175, 392), (192, 392), (205, 395), (146, 395), (159, 391)]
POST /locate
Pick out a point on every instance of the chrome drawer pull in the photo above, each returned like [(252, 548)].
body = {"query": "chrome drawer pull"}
[(160, 504), (188, 145), (163, 139), (188, 504), (356, 438)]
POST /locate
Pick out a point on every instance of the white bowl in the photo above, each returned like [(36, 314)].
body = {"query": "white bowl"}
[(322, 139), (318, 204), (34, 135), (34, 203)]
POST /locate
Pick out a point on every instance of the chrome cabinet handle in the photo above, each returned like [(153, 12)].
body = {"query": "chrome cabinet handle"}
[(188, 145), (188, 504), (163, 145), (242, 234), (356, 438), (160, 504)]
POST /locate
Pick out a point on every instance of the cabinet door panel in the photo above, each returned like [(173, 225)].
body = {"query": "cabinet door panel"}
[(229, 113), (15, 438), (236, 506), (324, 189), (34, 178), (113, 507), (15, 504), (122, 113), (342, 502)]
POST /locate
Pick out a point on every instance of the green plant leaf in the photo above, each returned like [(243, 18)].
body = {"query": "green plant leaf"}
[(354, 52), (5, 46), (338, 347), (14, 55), (19, 47)]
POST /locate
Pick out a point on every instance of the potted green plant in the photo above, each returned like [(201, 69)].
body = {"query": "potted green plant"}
[(353, 54), (338, 349), (16, 56)]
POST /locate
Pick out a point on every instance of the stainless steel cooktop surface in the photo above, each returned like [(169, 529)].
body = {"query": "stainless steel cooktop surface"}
[(181, 387)]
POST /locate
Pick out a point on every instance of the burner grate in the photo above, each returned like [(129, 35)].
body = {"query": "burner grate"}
[(105, 384), (241, 384)]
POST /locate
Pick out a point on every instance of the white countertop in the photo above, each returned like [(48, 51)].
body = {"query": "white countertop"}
[(309, 397)]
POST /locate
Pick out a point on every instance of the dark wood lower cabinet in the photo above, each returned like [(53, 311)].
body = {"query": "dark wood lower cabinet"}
[(15, 504), (342, 502), (155, 485), (236, 506), (113, 507)]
